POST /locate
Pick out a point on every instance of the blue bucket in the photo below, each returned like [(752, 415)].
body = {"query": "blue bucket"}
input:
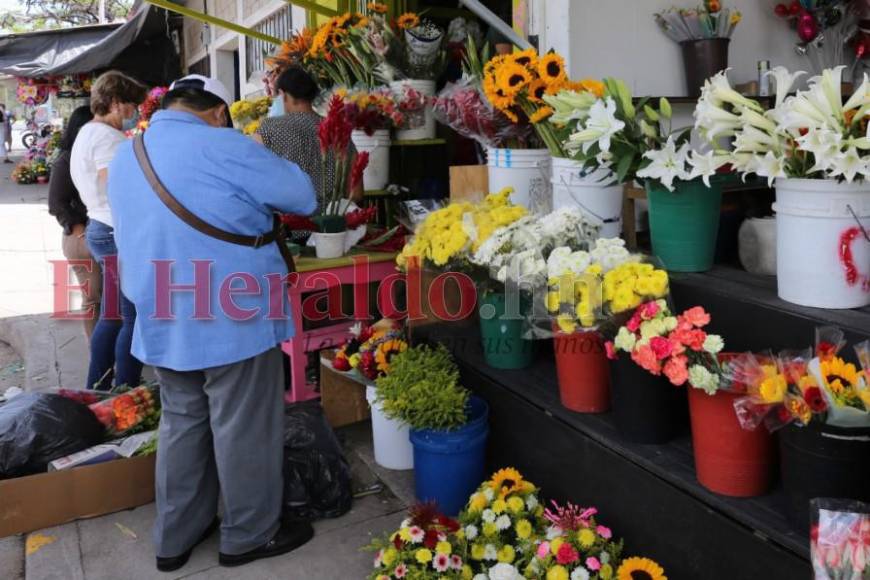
[(449, 465)]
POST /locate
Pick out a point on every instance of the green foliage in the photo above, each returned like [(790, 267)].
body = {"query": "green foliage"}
[(50, 14), (422, 389)]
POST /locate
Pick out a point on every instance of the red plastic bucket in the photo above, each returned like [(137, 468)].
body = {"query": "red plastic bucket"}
[(729, 460), (583, 371)]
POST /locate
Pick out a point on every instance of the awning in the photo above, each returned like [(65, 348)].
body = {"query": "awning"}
[(69, 50)]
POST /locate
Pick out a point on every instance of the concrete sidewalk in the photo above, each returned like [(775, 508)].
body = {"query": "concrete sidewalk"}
[(118, 546)]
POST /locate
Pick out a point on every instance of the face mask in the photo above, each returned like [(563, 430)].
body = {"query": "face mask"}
[(130, 123), (277, 108)]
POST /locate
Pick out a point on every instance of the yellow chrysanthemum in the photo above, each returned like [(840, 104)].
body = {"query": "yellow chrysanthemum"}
[(498, 506), (632, 568), (586, 538), (467, 574), (477, 551), (606, 572), (443, 548), (540, 115), (523, 529), (389, 557), (477, 503), (556, 544), (377, 7), (408, 20), (557, 573), (423, 556), (551, 68), (515, 504), (506, 554), (489, 529)]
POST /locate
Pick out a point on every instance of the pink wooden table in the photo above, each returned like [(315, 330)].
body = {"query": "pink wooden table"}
[(358, 268)]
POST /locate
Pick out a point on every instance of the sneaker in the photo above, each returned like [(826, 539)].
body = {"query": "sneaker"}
[(176, 562), (286, 539)]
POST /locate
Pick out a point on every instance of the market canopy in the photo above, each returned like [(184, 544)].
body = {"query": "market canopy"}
[(73, 50)]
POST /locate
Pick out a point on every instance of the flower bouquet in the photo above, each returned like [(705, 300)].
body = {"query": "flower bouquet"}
[(333, 52), (823, 29), (152, 103), (371, 110), (249, 113), (840, 539), (501, 525), (370, 349), (130, 412), (22, 173), (423, 547), (576, 546)]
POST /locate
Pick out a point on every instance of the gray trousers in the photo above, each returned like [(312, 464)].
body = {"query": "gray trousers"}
[(223, 424)]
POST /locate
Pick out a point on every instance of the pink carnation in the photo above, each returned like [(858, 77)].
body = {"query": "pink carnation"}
[(661, 346), (676, 369), (649, 310), (593, 564), (646, 359), (608, 348), (604, 532), (543, 550), (633, 323), (697, 316)]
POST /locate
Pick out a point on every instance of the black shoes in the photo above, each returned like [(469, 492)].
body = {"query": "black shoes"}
[(176, 562), (286, 539)]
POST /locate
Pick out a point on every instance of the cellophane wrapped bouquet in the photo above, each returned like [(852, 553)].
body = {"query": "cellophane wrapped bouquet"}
[(676, 346), (130, 412), (840, 539), (368, 351)]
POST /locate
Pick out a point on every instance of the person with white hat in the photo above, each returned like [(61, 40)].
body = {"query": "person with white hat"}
[(193, 203)]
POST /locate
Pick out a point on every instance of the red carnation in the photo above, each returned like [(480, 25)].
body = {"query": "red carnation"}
[(431, 539), (567, 554), (815, 400), (662, 347), (341, 363)]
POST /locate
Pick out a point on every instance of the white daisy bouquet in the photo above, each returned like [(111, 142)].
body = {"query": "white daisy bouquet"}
[(811, 134), (630, 140), (501, 526)]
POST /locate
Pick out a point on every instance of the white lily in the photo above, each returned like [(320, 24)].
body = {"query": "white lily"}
[(784, 82), (746, 163), (570, 106), (713, 121), (860, 98), (824, 144), (601, 125), (848, 164), (771, 166), (752, 140), (758, 120), (668, 164), (706, 165), (832, 88), (721, 90)]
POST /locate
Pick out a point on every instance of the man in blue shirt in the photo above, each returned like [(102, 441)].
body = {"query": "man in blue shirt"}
[(211, 316)]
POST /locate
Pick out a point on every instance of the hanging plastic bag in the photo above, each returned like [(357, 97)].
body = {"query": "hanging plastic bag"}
[(36, 429), (317, 481), (839, 546)]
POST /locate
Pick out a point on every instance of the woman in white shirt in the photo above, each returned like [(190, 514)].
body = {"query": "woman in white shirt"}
[(114, 101)]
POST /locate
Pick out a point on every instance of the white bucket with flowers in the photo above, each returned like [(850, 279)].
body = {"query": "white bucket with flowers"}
[(413, 97), (815, 148)]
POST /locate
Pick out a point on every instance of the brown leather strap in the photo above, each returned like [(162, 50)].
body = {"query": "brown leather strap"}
[(277, 235)]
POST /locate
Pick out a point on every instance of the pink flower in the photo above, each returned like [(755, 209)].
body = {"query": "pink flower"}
[(441, 563), (649, 310), (661, 346), (646, 359), (455, 562), (401, 571), (608, 348), (676, 369), (633, 323), (593, 564), (567, 554), (697, 316), (379, 558), (696, 339), (604, 532), (543, 550)]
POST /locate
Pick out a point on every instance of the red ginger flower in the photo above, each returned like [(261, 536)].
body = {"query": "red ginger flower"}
[(360, 162)]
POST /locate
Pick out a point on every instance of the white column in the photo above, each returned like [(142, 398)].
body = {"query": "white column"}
[(554, 27)]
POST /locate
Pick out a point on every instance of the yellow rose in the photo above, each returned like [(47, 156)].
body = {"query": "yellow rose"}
[(389, 557), (515, 504), (523, 529), (557, 573), (772, 389), (423, 556), (506, 554), (443, 548)]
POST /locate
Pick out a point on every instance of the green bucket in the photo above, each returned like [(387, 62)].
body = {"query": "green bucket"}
[(684, 224), (503, 344)]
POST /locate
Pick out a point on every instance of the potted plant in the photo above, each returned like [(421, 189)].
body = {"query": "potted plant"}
[(821, 404), (347, 170), (636, 142), (368, 355), (587, 289), (448, 424), (814, 147)]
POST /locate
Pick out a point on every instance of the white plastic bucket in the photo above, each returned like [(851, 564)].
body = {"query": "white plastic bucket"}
[(392, 440), (422, 126), (822, 257), (756, 245), (329, 245), (377, 173), (524, 170), (595, 193)]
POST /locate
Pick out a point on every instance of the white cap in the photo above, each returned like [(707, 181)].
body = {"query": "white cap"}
[(209, 85)]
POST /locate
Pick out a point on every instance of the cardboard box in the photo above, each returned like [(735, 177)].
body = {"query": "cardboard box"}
[(469, 183), (343, 399), (49, 499)]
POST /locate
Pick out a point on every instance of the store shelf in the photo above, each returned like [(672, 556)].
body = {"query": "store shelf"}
[(418, 143)]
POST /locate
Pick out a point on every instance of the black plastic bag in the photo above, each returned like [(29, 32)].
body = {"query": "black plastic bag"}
[(317, 481), (36, 429)]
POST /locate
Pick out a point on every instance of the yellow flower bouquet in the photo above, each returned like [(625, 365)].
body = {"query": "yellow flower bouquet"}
[(248, 113)]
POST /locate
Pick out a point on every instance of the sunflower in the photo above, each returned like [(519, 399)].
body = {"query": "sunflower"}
[(408, 20), (321, 40), (540, 115), (495, 95), (536, 90), (640, 569), (551, 68), (839, 375), (511, 78), (377, 7), (512, 117), (593, 86), (527, 58), (386, 350), (509, 480)]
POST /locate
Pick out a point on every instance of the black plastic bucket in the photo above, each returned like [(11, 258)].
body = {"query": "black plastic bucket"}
[(646, 408), (823, 461), (702, 59)]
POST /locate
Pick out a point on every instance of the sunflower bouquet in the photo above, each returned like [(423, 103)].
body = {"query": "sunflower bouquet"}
[(448, 237), (423, 547), (576, 546), (517, 83), (501, 525), (334, 55), (249, 113), (370, 349)]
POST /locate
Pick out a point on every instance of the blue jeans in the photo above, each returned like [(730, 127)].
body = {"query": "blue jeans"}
[(113, 337)]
